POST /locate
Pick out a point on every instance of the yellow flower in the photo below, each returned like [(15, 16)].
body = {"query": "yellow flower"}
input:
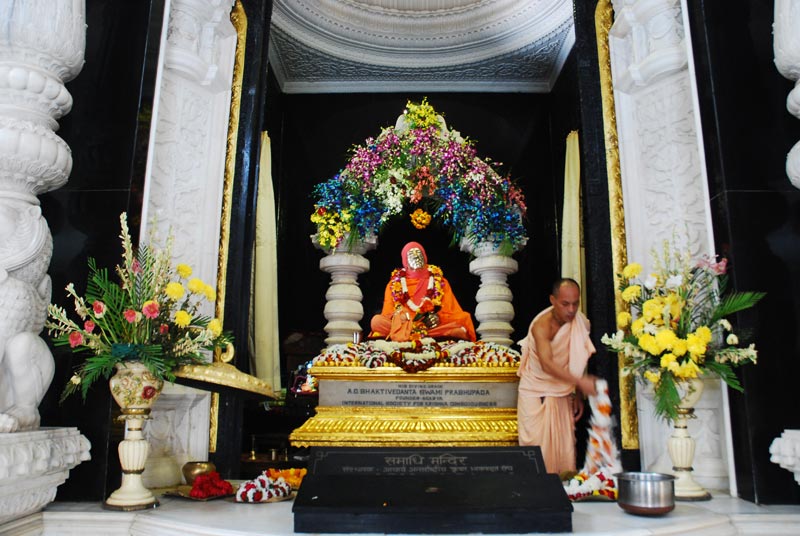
[(631, 293), (679, 347), (210, 293), (666, 359), (196, 286), (695, 345), (675, 304), (652, 310), (704, 334), (637, 328), (215, 327), (623, 319), (666, 339), (183, 319), (648, 343), (420, 219), (632, 270), (184, 270), (174, 291), (688, 369), (652, 375)]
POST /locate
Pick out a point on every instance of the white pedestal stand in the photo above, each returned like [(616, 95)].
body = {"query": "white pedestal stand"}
[(133, 450), (681, 447)]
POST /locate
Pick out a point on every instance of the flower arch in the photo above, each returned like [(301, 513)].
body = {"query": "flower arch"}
[(421, 167)]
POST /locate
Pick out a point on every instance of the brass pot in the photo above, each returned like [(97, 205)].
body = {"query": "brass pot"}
[(192, 470)]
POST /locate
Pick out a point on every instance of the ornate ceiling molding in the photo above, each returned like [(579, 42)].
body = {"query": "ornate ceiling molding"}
[(435, 45)]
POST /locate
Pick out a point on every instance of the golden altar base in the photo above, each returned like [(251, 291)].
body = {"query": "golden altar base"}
[(393, 426)]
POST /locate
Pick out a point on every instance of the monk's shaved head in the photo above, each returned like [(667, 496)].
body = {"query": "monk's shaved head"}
[(562, 282)]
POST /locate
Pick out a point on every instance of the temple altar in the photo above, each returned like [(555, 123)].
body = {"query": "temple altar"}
[(386, 406)]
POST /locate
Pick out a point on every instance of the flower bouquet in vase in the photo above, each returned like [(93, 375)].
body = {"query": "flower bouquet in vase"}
[(136, 329), (675, 330)]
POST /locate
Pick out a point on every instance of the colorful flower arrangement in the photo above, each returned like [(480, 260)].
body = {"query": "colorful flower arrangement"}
[(419, 161), (676, 328), (151, 315)]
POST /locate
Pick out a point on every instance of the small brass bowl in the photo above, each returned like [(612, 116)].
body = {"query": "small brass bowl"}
[(192, 470)]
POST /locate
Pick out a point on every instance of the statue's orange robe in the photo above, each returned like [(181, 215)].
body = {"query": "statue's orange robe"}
[(454, 322), (544, 408)]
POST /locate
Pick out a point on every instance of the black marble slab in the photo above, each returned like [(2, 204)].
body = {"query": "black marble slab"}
[(438, 504), (419, 462)]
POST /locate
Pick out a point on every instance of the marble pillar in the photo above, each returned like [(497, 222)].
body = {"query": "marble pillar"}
[(42, 44)]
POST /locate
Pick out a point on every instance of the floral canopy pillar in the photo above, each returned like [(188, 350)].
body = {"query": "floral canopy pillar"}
[(421, 167)]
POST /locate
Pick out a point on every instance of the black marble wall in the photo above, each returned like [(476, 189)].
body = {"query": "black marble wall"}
[(596, 219), (107, 131), (756, 213)]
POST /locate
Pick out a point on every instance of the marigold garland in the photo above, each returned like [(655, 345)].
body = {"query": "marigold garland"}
[(420, 219)]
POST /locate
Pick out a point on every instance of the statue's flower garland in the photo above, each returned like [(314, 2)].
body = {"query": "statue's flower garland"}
[(400, 294), (419, 161), (675, 328), (418, 355)]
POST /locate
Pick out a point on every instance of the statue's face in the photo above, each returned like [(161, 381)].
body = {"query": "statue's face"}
[(415, 259)]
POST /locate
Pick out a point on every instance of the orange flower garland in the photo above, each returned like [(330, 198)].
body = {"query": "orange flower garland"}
[(420, 219)]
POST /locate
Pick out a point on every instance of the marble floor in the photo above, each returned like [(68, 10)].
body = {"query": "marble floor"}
[(723, 515)]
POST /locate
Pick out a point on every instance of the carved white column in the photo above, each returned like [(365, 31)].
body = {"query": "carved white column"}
[(184, 182), (785, 451), (665, 189), (42, 45), (343, 308), (494, 310), (786, 45)]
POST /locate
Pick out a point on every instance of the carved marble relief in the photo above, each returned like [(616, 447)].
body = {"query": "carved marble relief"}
[(184, 182), (665, 192)]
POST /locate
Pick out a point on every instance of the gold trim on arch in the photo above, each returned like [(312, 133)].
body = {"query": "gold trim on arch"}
[(603, 19)]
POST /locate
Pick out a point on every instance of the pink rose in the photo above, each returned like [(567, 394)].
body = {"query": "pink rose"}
[(150, 309), (136, 268), (130, 315), (99, 308), (89, 326), (148, 392), (75, 339)]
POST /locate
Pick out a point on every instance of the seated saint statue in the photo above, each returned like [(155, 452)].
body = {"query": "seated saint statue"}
[(418, 302)]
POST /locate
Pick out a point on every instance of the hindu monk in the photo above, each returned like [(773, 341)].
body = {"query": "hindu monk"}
[(554, 357), (418, 302)]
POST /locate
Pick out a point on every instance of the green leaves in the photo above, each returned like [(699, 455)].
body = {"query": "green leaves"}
[(735, 302), (667, 397)]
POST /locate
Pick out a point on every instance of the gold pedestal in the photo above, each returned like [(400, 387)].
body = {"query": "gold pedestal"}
[(445, 425)]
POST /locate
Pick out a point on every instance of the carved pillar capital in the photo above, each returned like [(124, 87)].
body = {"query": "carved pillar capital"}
[(194, 29)]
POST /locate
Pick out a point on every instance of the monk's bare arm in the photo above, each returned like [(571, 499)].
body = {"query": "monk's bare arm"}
[(544, 350)]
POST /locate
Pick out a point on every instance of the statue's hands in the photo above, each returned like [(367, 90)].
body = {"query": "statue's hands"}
[(431, 320)]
